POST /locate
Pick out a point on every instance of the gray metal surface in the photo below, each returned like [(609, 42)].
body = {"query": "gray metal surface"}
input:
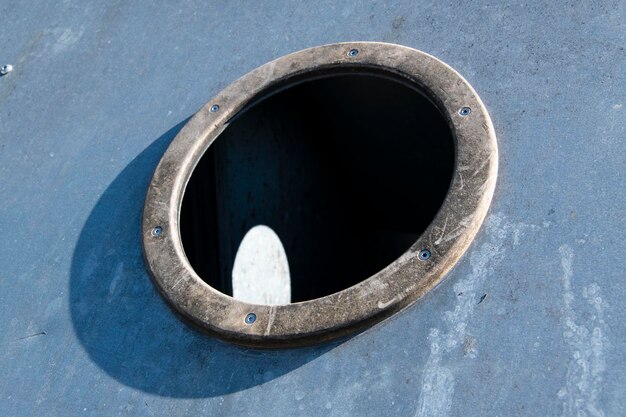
[(530, 322)]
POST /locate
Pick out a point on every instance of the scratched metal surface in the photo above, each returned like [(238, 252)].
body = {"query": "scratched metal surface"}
[(100, 88)]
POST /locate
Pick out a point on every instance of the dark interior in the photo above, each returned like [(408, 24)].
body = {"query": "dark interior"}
[(347, 169)]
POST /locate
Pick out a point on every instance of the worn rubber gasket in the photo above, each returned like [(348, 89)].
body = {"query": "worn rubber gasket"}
[(388, 291)]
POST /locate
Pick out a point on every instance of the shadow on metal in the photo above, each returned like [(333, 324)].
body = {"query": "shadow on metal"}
[(126, 327)]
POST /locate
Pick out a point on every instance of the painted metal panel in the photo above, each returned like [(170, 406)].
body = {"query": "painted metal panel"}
[(530, 322)]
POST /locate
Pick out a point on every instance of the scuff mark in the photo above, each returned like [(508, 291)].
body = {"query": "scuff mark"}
[(148, 407), (32, 335), (117, 277), (443, 231), (270, 71), (457, 231), (585, 370), (178, 282), (482, 298), (65, 38), (382, 305), (438, 380), (270, 320), (469, 346), (480, 168)]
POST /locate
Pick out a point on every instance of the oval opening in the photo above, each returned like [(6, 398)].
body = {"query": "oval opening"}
[(347, 169)]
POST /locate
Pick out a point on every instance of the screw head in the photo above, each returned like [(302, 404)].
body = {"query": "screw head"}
[(5, 69), (465, 111), (214, 108), (250, 318), (353, 52), (157, 231), (424, 255)]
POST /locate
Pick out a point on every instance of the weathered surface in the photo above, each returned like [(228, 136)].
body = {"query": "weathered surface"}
[(98, 91), (386, 292)]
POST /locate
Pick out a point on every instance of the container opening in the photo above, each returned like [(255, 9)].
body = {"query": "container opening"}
[(348, 170)]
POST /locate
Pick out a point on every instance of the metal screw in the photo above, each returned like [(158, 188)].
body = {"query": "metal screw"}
[(157, 231), (250, 318), (6, 69), (214, 108), (424, 254), (465, 111), (353, 52)]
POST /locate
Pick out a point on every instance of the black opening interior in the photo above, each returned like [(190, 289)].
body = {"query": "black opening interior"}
[(347, 169)]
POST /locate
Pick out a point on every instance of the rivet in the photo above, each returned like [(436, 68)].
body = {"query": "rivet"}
[(6, 69), (157, 231), (424, 254), (214, 108), (353, 52), (250, 318), (465, 111)]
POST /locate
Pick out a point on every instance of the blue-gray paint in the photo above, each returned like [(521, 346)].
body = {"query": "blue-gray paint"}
[(99, 89)]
